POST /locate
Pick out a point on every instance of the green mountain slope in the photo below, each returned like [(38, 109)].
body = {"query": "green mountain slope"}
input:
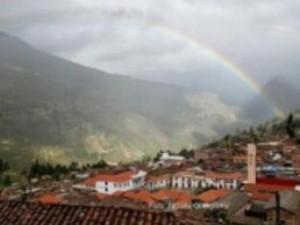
[(56, 110)]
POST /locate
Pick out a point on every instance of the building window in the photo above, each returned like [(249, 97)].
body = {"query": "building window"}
[(106, 189)]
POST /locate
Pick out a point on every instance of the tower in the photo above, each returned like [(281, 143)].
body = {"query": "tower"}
[(251, 164)]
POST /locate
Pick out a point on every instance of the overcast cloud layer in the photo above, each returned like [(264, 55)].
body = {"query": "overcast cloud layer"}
[(132, 36)]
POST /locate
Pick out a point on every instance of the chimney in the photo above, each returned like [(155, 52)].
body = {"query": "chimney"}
[(251, 164)]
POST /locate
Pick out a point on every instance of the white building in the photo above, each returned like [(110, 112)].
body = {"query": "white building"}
[(186, 180), (222, 180), (168, 157), (111, 183), (191, 180), (158, 182)]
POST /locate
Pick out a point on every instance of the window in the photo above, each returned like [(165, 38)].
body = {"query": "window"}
[(106, 189)]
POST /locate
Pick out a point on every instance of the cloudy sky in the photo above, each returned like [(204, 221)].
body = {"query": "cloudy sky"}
[(152, 38)]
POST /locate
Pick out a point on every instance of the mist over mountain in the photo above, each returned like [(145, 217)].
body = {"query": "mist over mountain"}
[(56, 110), (284, 91), (232, 89)]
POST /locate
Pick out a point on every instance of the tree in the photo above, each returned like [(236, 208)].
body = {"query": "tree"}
[(6, 181), (146, 159), (290, 126), (218, 215), (158, 155), (188, 154), (253, 136), (74, 166), (4, 166), (100, 164), (228, 142)]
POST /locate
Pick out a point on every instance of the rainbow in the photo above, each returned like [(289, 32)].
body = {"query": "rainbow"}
[(235, 70)]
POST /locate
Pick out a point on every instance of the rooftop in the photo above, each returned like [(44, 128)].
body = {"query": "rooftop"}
[(261, 196), (120, 177), (176, 196), (24, 213), (219, 175), (213, 195), (265, 188), (157, 178), (289, 200), (50, 198)]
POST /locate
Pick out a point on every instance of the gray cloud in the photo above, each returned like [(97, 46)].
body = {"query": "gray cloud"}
[(132, 37)]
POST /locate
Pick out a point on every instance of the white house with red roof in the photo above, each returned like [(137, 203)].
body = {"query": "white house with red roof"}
[(222, 180), (187, 180), (158, 182), (111, 183)]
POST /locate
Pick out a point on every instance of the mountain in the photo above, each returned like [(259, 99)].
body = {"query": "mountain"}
[(232, 89), (284, 92), (268, 131), (56, 110)]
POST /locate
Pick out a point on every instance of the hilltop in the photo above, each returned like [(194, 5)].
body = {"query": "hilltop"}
[(59, 111), (275, 129)]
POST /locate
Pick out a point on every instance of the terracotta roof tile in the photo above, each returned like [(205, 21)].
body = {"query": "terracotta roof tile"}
[(18, 213), (121, 177), (158, 178), (176, 196), (50, 198), (253, 188), (217, 175), (153, 197), (261, 196), (213, 195), (101, 195), (143, 196)]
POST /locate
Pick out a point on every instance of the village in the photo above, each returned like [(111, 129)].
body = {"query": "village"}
[(246, 184)]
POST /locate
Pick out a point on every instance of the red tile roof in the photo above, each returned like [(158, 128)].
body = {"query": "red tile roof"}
[(176, 196), (213, 195), (261, 196), (142, 196), (263, 192), (153, 197), (121, 177), (157, 178), (18, 213), (50, 198), (240, 158), (101, 196), (218, 175), (266, 187)]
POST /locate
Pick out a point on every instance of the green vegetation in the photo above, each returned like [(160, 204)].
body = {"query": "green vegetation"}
[(291, 126), (218, 215), (55, 171), (188, 154), (277, 128), (5, 179), (58, 111)]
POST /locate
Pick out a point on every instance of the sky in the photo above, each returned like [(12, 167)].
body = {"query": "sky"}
[(150, 39)]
